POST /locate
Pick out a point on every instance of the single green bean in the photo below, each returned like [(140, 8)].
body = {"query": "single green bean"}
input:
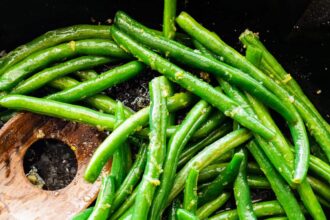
[(169, 18), (190, 82), (258, 182), (319, 187), (157, 149), (168, 91), (196, 116), (83, 215), (104, 199), (208, 155), (242, 191), (118, 169), (194, 148), (51, 38), (281, 189), (99, 101), (127, 206), (190, 197), (40, 59), (58, 109), (182, 214), (210, 172), (209, 208), (128, 214), (100, 83), (216, 119), (231, 56), (277, 218), (261, 209), (46, 75), (227, 177), (132, 178)]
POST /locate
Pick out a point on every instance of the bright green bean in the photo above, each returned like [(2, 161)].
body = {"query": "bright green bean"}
[(182, 214), (104, 199), (207, 209), (46, 75), (157, 149), (261, 209), (194, 148), (225, 178), (190, 197), (242, 191), (83, 215), (100, 83), (169, 18)]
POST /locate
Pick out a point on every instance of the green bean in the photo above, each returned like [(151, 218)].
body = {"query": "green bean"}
[(169, 18), (196, 116), (83, 215), (261, 209), (40, 59), (280, 188), (118, 171), (86, 75), (168, 90), (127, 206), (324, 202), (128, 214), (321, 188), (100, 83), (207, 156), (51, 38), (190, 82), (258, 182), (277, 218), (207, 209), (182, 214), (58, 109), (132, 178), (249, 39), (216, 119), (157, 149), (231, 56), (99, 101), (190, 197), (320, 168), (194, 148), (225, 178), (43, 77), (210, 172), (64, 82), (242, 191), (104, 199)]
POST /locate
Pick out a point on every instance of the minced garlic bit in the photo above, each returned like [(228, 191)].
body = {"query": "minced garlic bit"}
[(287, 78), (319, 91), (72, 45)]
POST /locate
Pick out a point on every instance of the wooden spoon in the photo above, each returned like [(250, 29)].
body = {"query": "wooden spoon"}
[(19, 199)]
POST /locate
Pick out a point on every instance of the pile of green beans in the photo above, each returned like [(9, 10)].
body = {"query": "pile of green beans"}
[(224, 145)]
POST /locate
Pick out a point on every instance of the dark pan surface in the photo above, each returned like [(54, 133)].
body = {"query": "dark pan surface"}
[(297, 32)]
